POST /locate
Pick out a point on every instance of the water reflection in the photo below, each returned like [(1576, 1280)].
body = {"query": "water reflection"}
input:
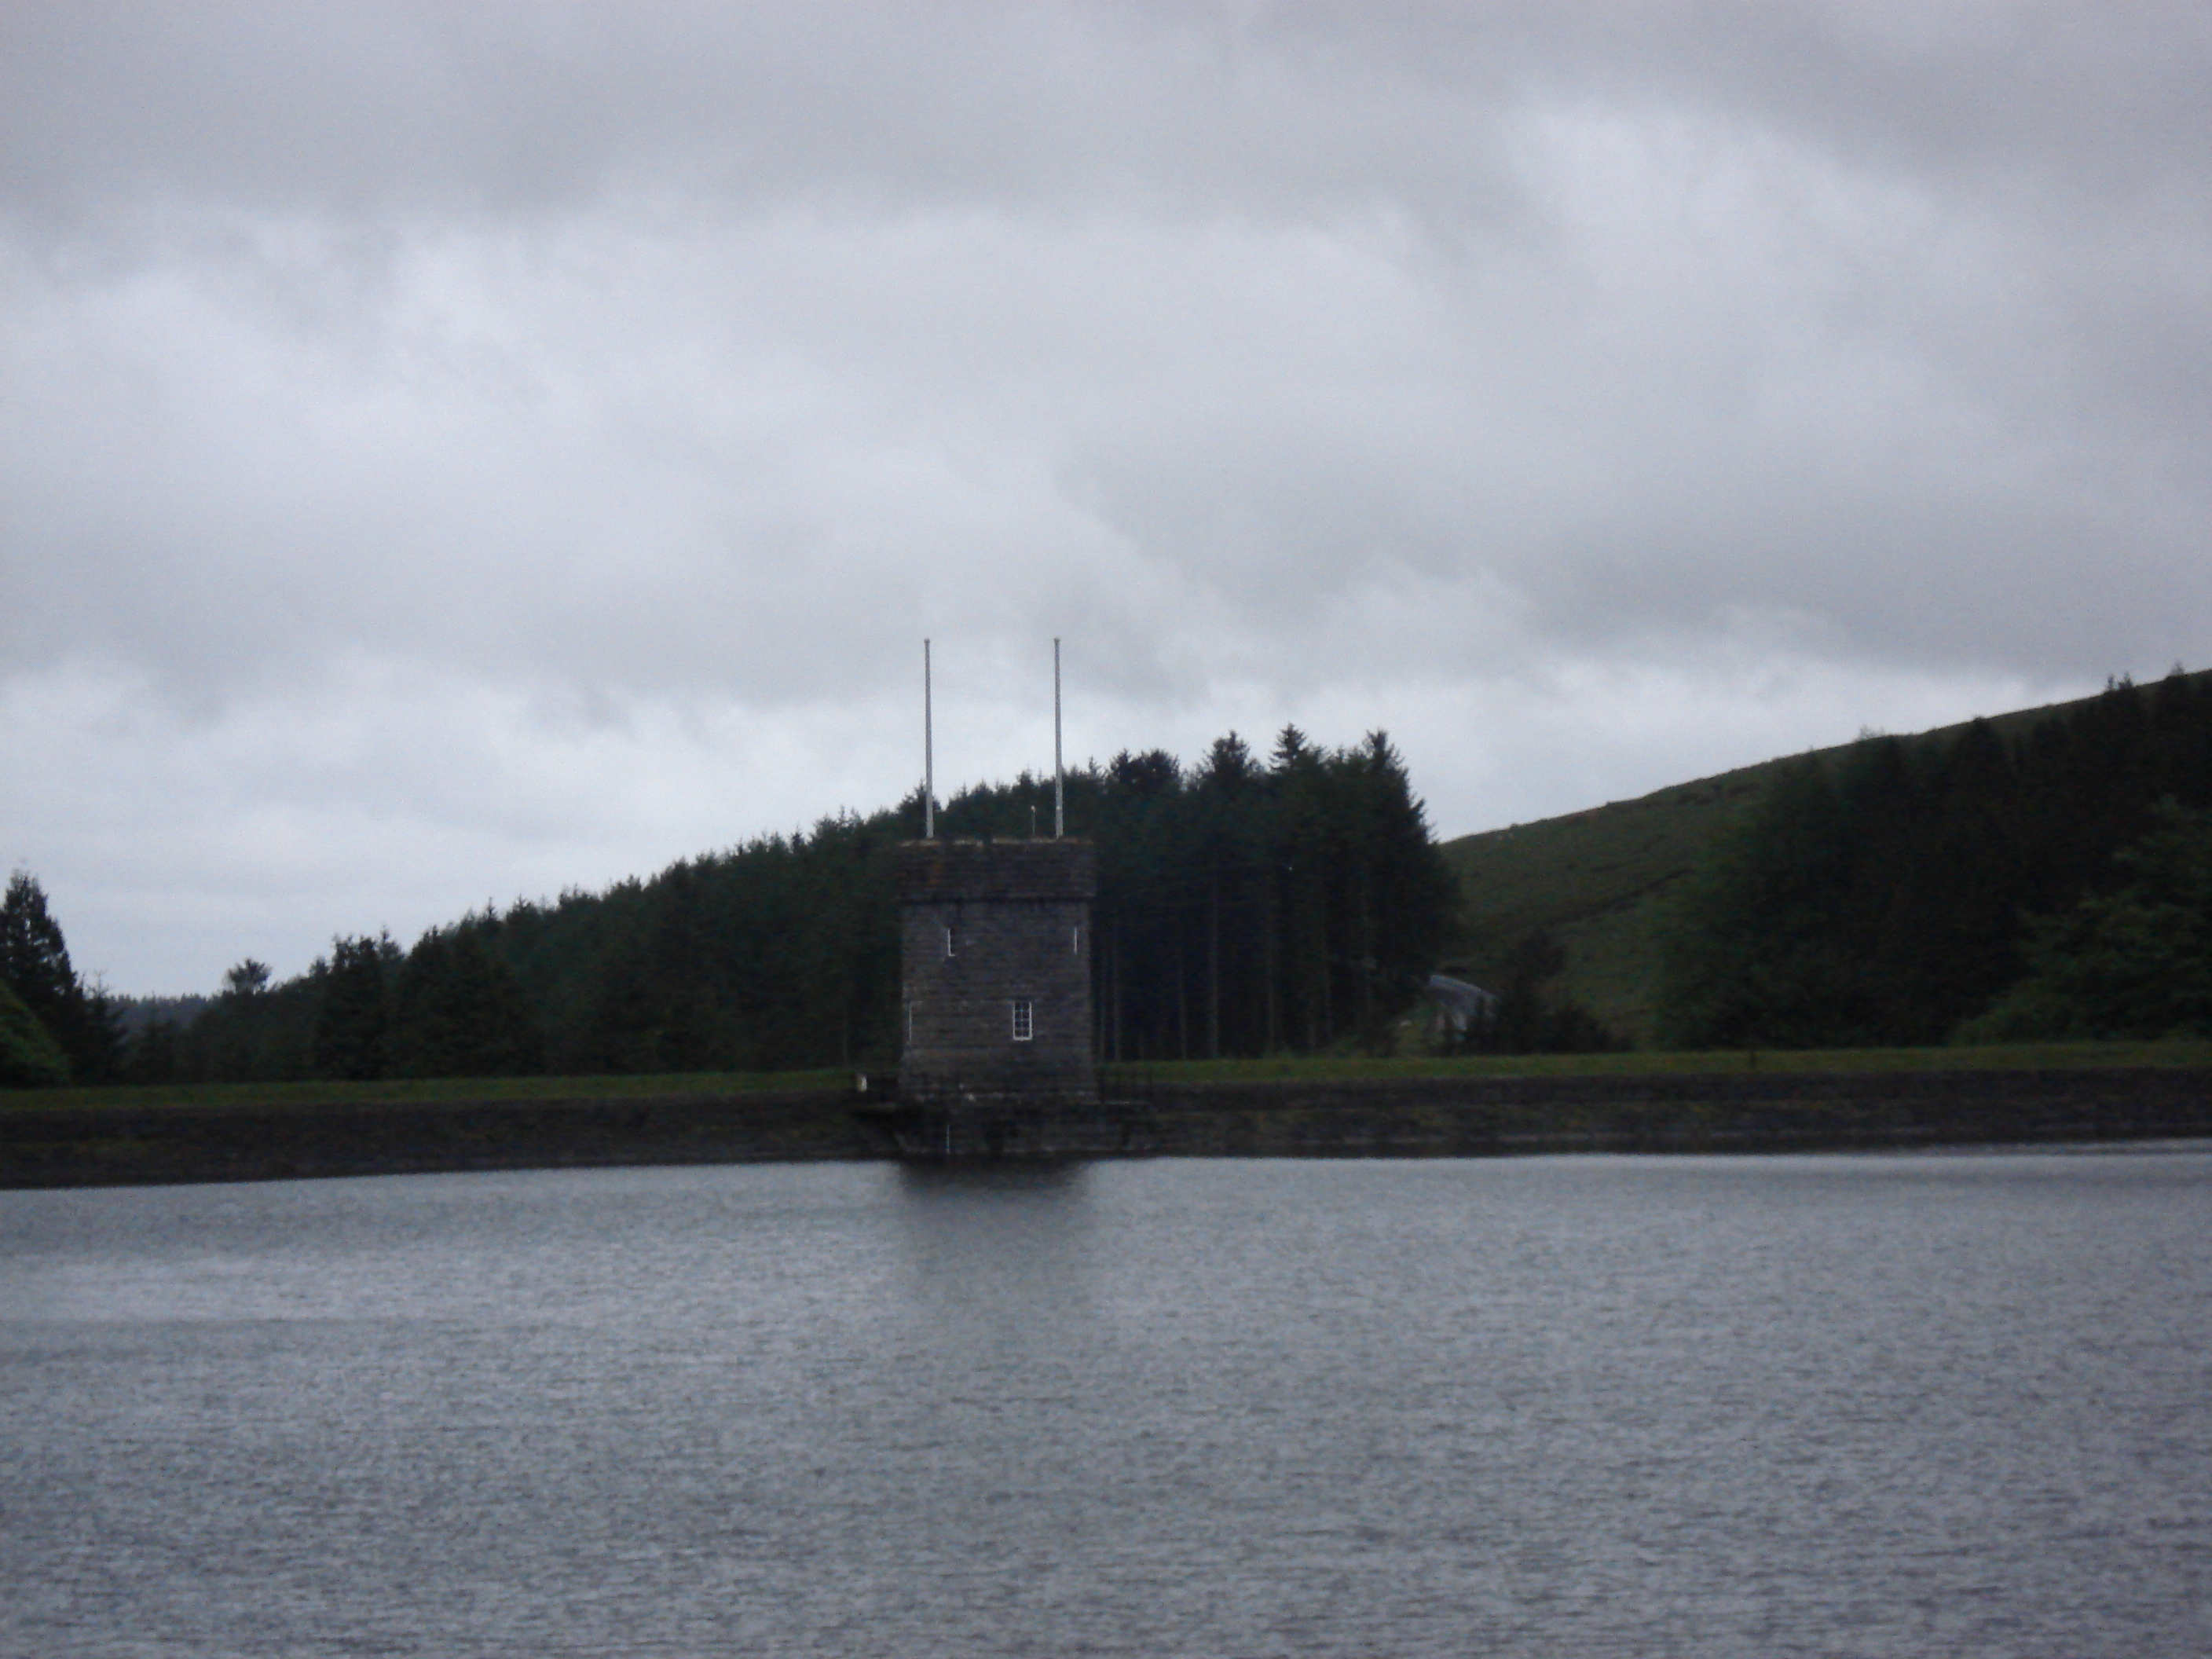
[(1008, 1243), (1039, 1175)]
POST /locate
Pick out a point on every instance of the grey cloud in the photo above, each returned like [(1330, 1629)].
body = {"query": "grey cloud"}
[(350, 107), (610, 375), (363, 109)]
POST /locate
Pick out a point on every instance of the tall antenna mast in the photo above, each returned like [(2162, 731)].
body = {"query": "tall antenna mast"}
[(1059, 793), (928, 754)]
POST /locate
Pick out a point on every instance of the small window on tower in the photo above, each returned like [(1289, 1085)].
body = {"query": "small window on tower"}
[(1024, 1019), (948, 942), (1075, 941)]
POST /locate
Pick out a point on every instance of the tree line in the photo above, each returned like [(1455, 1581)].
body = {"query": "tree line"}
[(2053, 881), (1245, 906), (2043, 878)]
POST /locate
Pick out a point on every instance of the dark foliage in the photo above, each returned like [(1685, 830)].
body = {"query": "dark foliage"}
[(152, 1053), (134, 1014), (459, 1011), (2133, 963), (252, 1032), (1532, 1014), (34, 964), (29, 1056), (1889, 898), (1244, 908), (353, 1018)]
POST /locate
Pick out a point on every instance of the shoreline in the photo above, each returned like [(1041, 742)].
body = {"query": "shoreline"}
[(50, 1146)]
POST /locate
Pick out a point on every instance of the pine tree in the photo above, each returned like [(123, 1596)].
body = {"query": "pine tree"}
[(461, 1013), (34, 963), (29, 1056), (2133, 963), (353, 1022)]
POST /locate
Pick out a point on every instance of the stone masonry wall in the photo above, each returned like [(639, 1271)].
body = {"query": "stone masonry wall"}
[(166, 1139), (1016, 915)]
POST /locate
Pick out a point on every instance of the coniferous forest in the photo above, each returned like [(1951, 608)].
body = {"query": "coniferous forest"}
[(1246, 906), (2054, 883)]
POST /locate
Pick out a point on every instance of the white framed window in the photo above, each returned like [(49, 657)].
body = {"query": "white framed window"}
[(949, 951), (1024, 1019)]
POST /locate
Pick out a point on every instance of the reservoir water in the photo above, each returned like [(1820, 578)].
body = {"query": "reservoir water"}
[(1900, 1405)]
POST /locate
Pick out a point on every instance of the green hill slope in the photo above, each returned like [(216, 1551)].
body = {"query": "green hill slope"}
[(1602, 881), (1599, 882)]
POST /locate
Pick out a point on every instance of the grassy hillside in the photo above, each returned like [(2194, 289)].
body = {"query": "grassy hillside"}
[(1602, 881)]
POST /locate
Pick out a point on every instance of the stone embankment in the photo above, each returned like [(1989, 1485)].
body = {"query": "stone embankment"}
[(1661, 1112), (68, 1146), (49, 1145)]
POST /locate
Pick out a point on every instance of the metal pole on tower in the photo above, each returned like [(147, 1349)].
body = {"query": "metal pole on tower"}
[(1058, 792), (928, 754)]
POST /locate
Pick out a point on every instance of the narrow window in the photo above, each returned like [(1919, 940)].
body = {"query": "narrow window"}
[(948, 942), (910, 1019), (1075, 941), (1024, 1021)]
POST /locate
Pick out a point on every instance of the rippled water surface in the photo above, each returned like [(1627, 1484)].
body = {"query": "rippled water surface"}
[(1897, 1406)]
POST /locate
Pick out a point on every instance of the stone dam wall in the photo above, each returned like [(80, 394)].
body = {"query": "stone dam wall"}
[(111, 1145), (47, 1146), (1730, 1112)]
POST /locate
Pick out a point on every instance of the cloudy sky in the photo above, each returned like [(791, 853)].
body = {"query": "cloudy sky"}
[(456, 453)]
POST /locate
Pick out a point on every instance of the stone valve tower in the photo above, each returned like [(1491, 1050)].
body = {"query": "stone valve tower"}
[(995, 959), (997, 1056)]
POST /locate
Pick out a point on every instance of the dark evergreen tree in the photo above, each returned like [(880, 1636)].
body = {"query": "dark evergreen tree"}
[(1400, 894), (253, 1032), (29, 1056), (1762, 958), (35, 958), (353, 1017), (2136, 962), (1231, 868), (460, 1012), (34, 963), (154, 1054)]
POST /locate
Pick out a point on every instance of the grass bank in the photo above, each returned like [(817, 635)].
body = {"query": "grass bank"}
[(678, 1086), (202, 1096)]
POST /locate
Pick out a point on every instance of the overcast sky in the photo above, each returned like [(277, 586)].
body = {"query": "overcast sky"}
[(450, 454)]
